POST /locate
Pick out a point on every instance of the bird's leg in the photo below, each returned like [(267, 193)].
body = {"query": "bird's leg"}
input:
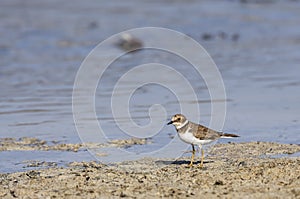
[(193, 156), (202, 157)]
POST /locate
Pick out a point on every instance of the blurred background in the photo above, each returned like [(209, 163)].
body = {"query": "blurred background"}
[(255, 44)]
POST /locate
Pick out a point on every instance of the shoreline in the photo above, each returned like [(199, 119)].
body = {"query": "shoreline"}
[(231, 170)]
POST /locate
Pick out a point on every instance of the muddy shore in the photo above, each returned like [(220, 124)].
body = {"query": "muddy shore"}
[(233, 170)]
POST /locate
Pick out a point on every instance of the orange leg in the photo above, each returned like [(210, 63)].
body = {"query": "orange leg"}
[(193, 156), (202, 158)]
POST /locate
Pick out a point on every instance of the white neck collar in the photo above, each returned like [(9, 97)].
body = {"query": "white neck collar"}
[(182, 125)]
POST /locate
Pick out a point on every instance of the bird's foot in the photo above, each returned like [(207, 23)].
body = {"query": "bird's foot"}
[(201, 165)]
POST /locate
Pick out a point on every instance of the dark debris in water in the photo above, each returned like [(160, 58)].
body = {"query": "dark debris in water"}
[(221, 36), (40, 164)]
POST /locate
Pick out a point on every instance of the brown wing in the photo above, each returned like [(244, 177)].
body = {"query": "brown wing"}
[(204, 133)]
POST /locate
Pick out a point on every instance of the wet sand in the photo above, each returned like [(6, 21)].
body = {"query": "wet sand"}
[(30, 144), (233, 170)]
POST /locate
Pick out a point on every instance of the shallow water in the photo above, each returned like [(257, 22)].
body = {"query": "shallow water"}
[(256, 47)]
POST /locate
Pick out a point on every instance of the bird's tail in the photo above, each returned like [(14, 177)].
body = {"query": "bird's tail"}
[(229, 135)]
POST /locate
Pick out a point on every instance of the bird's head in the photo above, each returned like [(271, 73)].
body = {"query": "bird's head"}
[(177, 120)]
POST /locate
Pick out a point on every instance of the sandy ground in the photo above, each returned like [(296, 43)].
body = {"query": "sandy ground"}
[(255, 169), (29, 144)]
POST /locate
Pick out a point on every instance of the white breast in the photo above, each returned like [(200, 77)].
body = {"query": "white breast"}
[(190, 139)]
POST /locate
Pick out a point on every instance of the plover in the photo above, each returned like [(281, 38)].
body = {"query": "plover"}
[(128, 42), (196, 134)]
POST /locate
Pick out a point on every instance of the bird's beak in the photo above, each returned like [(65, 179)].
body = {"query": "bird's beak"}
[(171, 122)]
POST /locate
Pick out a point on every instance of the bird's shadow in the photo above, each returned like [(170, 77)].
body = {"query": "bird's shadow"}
[(180, 162)]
